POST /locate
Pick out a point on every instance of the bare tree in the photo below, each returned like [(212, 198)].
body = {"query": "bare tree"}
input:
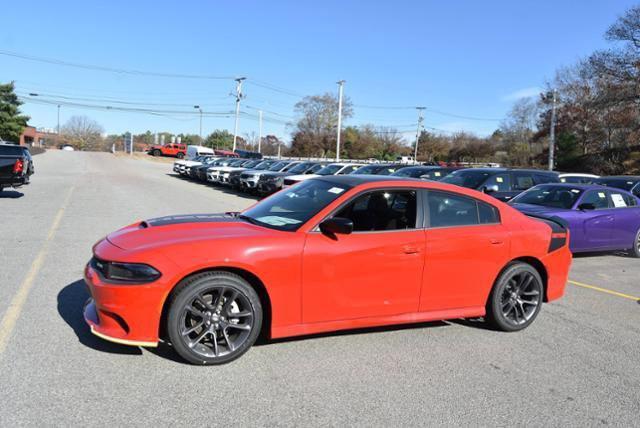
[(83, 133)]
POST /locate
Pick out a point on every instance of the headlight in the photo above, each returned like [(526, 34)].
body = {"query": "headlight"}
[(125, 272)]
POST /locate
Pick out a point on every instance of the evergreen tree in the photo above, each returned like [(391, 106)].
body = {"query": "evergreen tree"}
[(12, 123)]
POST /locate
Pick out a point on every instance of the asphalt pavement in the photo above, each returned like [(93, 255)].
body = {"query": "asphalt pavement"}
[(576, 365)]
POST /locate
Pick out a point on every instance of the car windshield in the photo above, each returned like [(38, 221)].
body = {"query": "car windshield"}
[(367, 170), (263, 165), (251, 164), (289, 209), (237, 162), (300, 168), (412, 172), (549, 196), (469, 179), (329, 170), (619, 183), (277, 166)]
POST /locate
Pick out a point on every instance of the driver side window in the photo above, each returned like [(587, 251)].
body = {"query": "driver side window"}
[(596, 197), (500, 180), (382, 210)]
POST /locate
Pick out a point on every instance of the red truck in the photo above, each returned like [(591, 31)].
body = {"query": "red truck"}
[(174, 150)]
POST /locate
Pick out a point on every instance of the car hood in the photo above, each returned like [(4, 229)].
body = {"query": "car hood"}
[(177, 229), (275, 174), (538, 209)]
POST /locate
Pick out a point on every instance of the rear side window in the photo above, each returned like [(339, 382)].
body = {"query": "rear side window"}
[(522, 181), (348, 170), (447, 210), (548, 178)]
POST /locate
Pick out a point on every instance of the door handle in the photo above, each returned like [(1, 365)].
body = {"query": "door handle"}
[(496, 241), (408, 249)]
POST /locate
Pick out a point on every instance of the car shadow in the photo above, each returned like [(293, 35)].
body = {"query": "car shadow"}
[(71, 301), (359, 331), (10, 194)]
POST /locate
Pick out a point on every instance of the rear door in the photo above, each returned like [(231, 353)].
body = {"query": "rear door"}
[(626, 222), (467, 245)]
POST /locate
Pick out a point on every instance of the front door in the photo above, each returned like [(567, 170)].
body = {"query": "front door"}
[(376, 270), (597, 223)]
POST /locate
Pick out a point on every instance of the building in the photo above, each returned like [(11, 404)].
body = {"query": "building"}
[(37, 137)]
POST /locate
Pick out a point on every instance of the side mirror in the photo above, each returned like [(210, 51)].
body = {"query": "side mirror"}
[(586, 207), (490, 189), (337, 226)]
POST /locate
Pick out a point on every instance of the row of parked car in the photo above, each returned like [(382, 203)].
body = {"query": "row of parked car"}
[(602, 213)]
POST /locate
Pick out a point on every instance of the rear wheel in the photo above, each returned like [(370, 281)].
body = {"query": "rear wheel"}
[(214, 318), (180, 155), (156, 152), (516, 298), (635, 251)]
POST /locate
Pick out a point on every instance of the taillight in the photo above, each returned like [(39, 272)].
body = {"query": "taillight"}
[(18, 167)]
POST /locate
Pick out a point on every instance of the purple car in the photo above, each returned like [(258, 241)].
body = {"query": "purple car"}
[(599, 218)]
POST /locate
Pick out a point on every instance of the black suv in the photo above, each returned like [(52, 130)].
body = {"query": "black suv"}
[(501, 183)]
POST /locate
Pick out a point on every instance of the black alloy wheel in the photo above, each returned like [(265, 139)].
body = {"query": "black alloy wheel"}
[(516, 298), (180, 155), (156, 152), (214, 318)]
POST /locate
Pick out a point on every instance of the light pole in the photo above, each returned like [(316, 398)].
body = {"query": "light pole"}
[(340, 85), (239, 81), (415, 154), (260, 131), (200, 110), (552, 131)]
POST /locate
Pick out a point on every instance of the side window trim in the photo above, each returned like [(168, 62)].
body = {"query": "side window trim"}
[(419, 209)]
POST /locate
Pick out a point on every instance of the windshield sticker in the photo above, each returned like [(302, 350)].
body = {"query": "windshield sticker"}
[(575, 190), (601, 195), (437, 174), (275, 220), (499, 179), (618, 201), (335, 190)]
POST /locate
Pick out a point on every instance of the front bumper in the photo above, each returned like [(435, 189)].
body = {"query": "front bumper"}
[(126, 314), (249, 183)]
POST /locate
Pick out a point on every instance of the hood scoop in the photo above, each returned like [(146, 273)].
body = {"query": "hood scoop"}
[(188, 218)]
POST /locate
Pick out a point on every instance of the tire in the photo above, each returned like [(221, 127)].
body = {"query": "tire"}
[(516, 298), (180, 155), (156, 153), (635, 251), (204, 318)]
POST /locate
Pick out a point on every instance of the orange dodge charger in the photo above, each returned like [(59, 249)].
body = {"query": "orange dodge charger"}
[(327, 254)]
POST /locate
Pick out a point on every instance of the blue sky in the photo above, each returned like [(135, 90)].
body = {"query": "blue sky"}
[(469, 58)]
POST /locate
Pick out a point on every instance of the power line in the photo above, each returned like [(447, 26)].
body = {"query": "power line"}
[(108, 100), (112, 70)]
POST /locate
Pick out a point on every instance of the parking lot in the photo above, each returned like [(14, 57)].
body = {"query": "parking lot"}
[(577, 364)]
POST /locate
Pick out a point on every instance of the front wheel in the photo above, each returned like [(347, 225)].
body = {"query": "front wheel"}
[(180, 155), (156, 152), (214, 318), (516, 298)]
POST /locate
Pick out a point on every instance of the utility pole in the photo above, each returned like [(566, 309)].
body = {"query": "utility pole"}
[(260, 132), (420, 119), (552, 131), (58, 128), (239, 81), (200, 110), (340, 85)]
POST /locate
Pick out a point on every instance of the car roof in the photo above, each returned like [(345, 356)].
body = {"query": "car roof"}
[(621, 177), (357, 179), (583, 186)]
